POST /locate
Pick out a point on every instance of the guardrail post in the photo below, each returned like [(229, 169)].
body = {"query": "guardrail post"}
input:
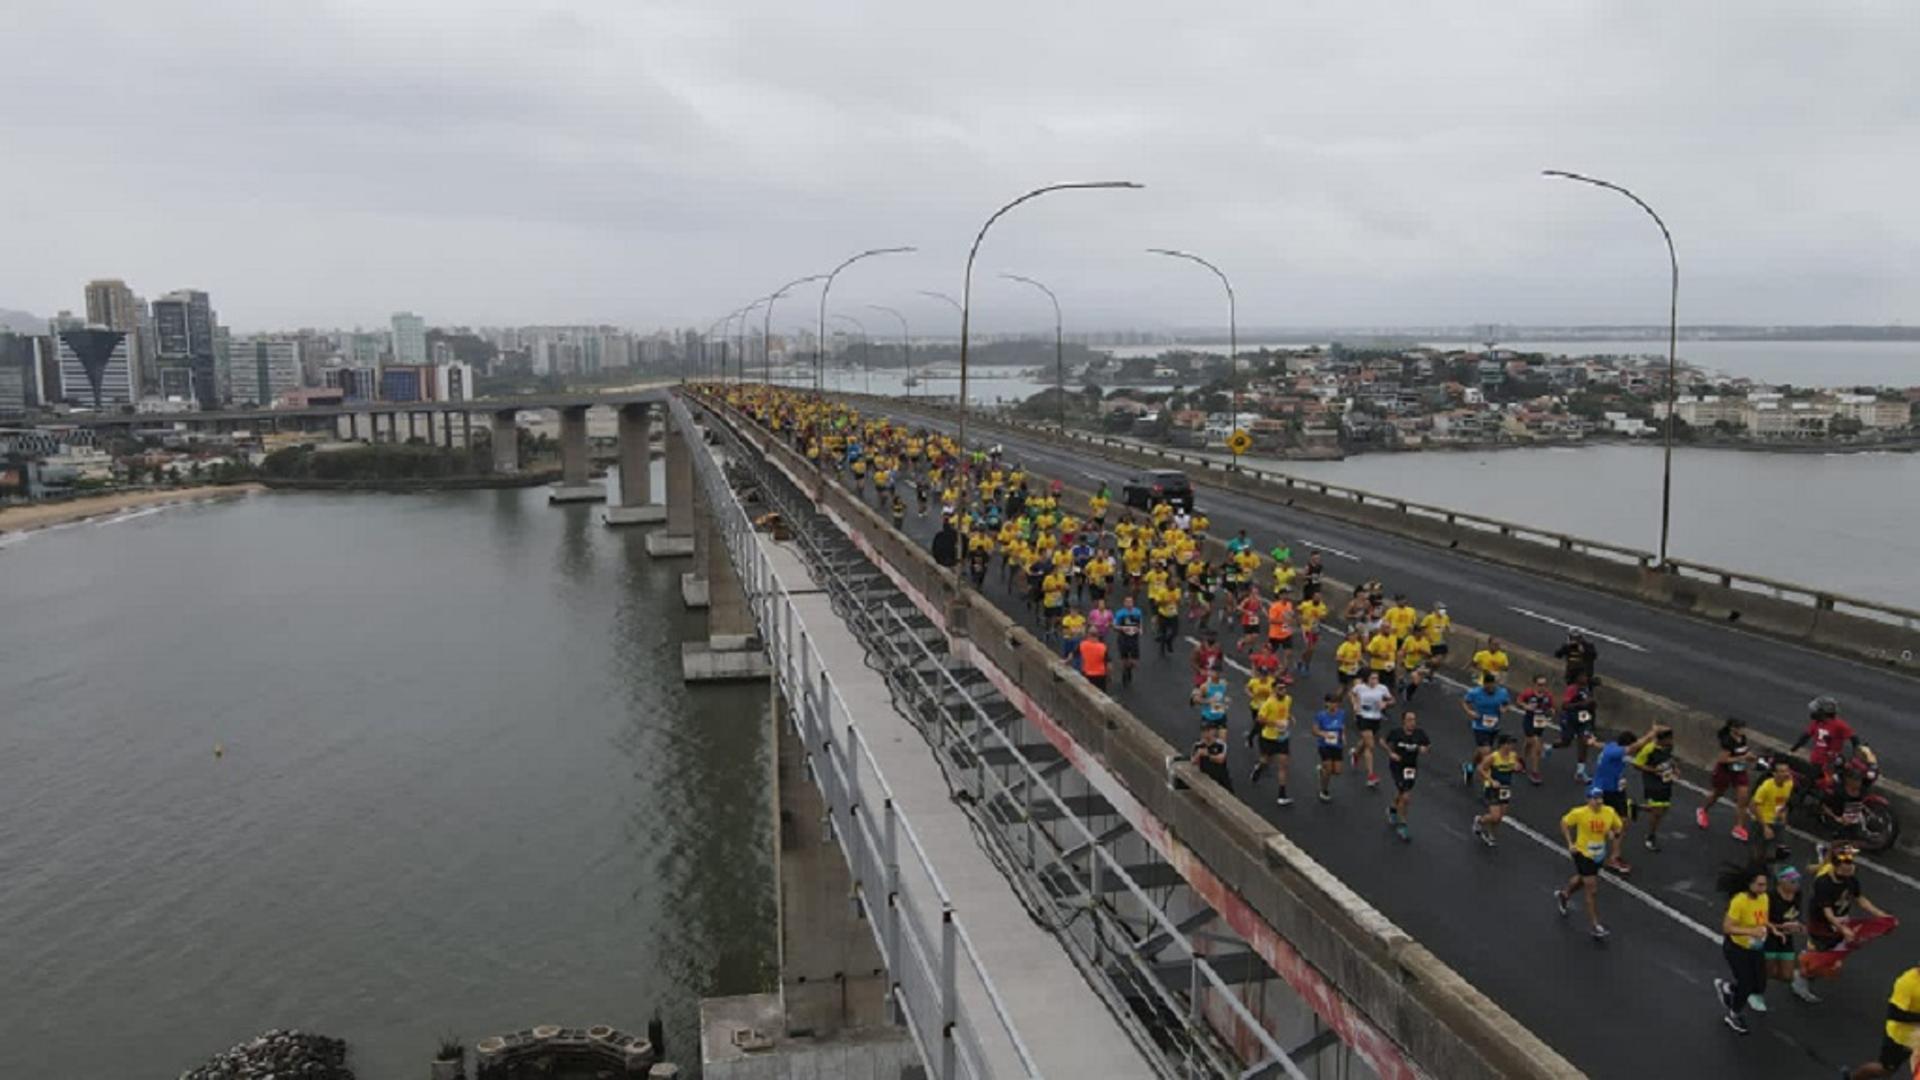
[(949, 995), (892, 841)]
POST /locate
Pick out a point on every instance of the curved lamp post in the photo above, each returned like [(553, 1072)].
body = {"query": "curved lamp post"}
[(740, 365), (1233, 339), (706, 364), (1059, 362), (866, 357), (820, 348), (906, 343), (766, 326), (1673, 335), (966, 294)]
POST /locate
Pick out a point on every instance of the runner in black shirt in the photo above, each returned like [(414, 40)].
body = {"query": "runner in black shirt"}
[(1404, 746), (1210, 754)]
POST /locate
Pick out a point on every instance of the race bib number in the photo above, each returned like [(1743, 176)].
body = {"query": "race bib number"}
[(1584, 717), (1853, 817), (1407, 773), (1595, 849), (1737, 766), (1504, 794)]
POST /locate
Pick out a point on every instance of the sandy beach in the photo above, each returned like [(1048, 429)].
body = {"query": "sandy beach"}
[(39, 516)]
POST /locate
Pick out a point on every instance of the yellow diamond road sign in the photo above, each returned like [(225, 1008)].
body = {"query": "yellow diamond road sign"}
[(1239, 442)]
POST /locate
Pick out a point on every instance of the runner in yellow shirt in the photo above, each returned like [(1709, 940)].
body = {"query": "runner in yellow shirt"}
[(1492, 660), (1382, 652), (1434, 627), (1313, 611), (1273, 722), (1592, 833), (1401, 617), (1348, 658)]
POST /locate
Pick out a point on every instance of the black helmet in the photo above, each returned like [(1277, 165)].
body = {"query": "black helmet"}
[(1823, 708)]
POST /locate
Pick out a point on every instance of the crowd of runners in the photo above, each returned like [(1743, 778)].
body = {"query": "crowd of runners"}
[(1107, 585)]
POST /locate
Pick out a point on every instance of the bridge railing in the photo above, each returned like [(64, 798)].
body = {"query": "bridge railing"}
[(1854, 625), (926, 966)]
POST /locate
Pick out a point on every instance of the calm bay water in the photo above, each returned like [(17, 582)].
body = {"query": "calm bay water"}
[(1848, 522), (463, 789)]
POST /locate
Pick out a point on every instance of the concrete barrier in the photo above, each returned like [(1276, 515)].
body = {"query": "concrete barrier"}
[(1849, 626), (1402, 1010)]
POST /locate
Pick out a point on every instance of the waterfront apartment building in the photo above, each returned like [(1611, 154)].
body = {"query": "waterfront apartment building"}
[(409, 338), (183, 330), (112, 305), (262, 369)]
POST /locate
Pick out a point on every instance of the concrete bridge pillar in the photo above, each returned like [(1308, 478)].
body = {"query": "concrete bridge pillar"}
[(677, 538), (353, 427), (506, 441), (693, 583), (446, 424), (576, 485), (636, 505)]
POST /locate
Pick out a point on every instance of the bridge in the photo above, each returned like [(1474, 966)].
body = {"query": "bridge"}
[(397, 422), (941, 768)]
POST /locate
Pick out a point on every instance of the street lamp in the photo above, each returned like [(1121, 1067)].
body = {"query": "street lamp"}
[(966, 292), (820, 347), (1233, 341), (766, 327), (906, 343), (1059, 362), (741, 363), (866, 351), (1673, 335), (706, 364)]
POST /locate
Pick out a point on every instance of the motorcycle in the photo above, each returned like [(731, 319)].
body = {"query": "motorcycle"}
[(1868, 821)]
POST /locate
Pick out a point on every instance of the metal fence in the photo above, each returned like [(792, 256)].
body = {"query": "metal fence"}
[(922, 941), (1066, 866)]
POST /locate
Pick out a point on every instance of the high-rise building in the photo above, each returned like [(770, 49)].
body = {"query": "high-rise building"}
[(409, 338), (406, 383), (183, 329), (355, 383), (365, 350), (262, 369), (112, 305), (453, 381), (94, 372), (22, 372)]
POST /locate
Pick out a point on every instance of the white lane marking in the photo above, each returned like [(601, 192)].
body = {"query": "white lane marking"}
[(1334, 551), (1574, 626), (1623, 884)]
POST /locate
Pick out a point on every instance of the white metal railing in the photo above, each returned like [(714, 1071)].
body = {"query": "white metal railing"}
[(924, 964), (929, 679)]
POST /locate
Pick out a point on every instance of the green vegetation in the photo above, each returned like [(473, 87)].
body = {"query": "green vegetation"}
[(375, 463)]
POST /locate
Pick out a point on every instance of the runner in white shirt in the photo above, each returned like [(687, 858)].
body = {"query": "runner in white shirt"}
[(1370, 701)]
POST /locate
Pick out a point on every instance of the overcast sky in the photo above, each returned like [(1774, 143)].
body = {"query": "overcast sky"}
[(661, 163)]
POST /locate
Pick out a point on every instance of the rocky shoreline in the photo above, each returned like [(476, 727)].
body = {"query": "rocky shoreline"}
[(279, 1055)]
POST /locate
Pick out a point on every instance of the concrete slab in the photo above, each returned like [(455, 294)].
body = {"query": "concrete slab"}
[(701, 662), (693, 591), (569, 493), (635, 515), (1064, 1023), (741, 1039), (662, 545)]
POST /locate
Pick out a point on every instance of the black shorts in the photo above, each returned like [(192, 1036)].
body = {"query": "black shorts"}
[(1533, 725), (1098, 592), (1485, 738), (1386, 677), (1054, 611), (1367, 723), (1274, 747), (1893, 1055), (1329, 753), (1129, 646), (1617, 800), (1099, 680), (1403, 779), (1439, 648), (1584, 866), (1657, 795), (1496, 794)]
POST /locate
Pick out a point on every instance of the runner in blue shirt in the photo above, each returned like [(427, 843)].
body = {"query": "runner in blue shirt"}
[(1330, 733), (1610, 776), (1483, 705)]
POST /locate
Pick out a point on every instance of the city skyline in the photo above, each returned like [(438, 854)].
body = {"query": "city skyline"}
[(601, 162)]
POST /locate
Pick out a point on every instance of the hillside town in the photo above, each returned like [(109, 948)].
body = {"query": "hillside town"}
[(1328, 401)]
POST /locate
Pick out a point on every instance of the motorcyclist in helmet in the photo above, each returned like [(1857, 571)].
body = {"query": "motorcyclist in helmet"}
[(1829, 733)]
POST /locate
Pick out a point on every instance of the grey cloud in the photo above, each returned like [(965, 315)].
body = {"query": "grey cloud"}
[(664, 162)]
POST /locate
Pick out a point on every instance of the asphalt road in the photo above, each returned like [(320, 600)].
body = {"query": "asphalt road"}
[(1707, 665), (1641, 1004)]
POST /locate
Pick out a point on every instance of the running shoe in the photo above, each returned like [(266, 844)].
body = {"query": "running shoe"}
[(1478, 832), (1723, 990), (1805, 993), (1739, 1027), (1600, 933), (1580, 773), (1283, 801), (1373, 780), (1324, 797), (1756, 1003), (1650, 844), (1560, 900), (1405, 836), (1700, 817), (1535, 777), (1466, 772), (1740, 833), (1254, 775)]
